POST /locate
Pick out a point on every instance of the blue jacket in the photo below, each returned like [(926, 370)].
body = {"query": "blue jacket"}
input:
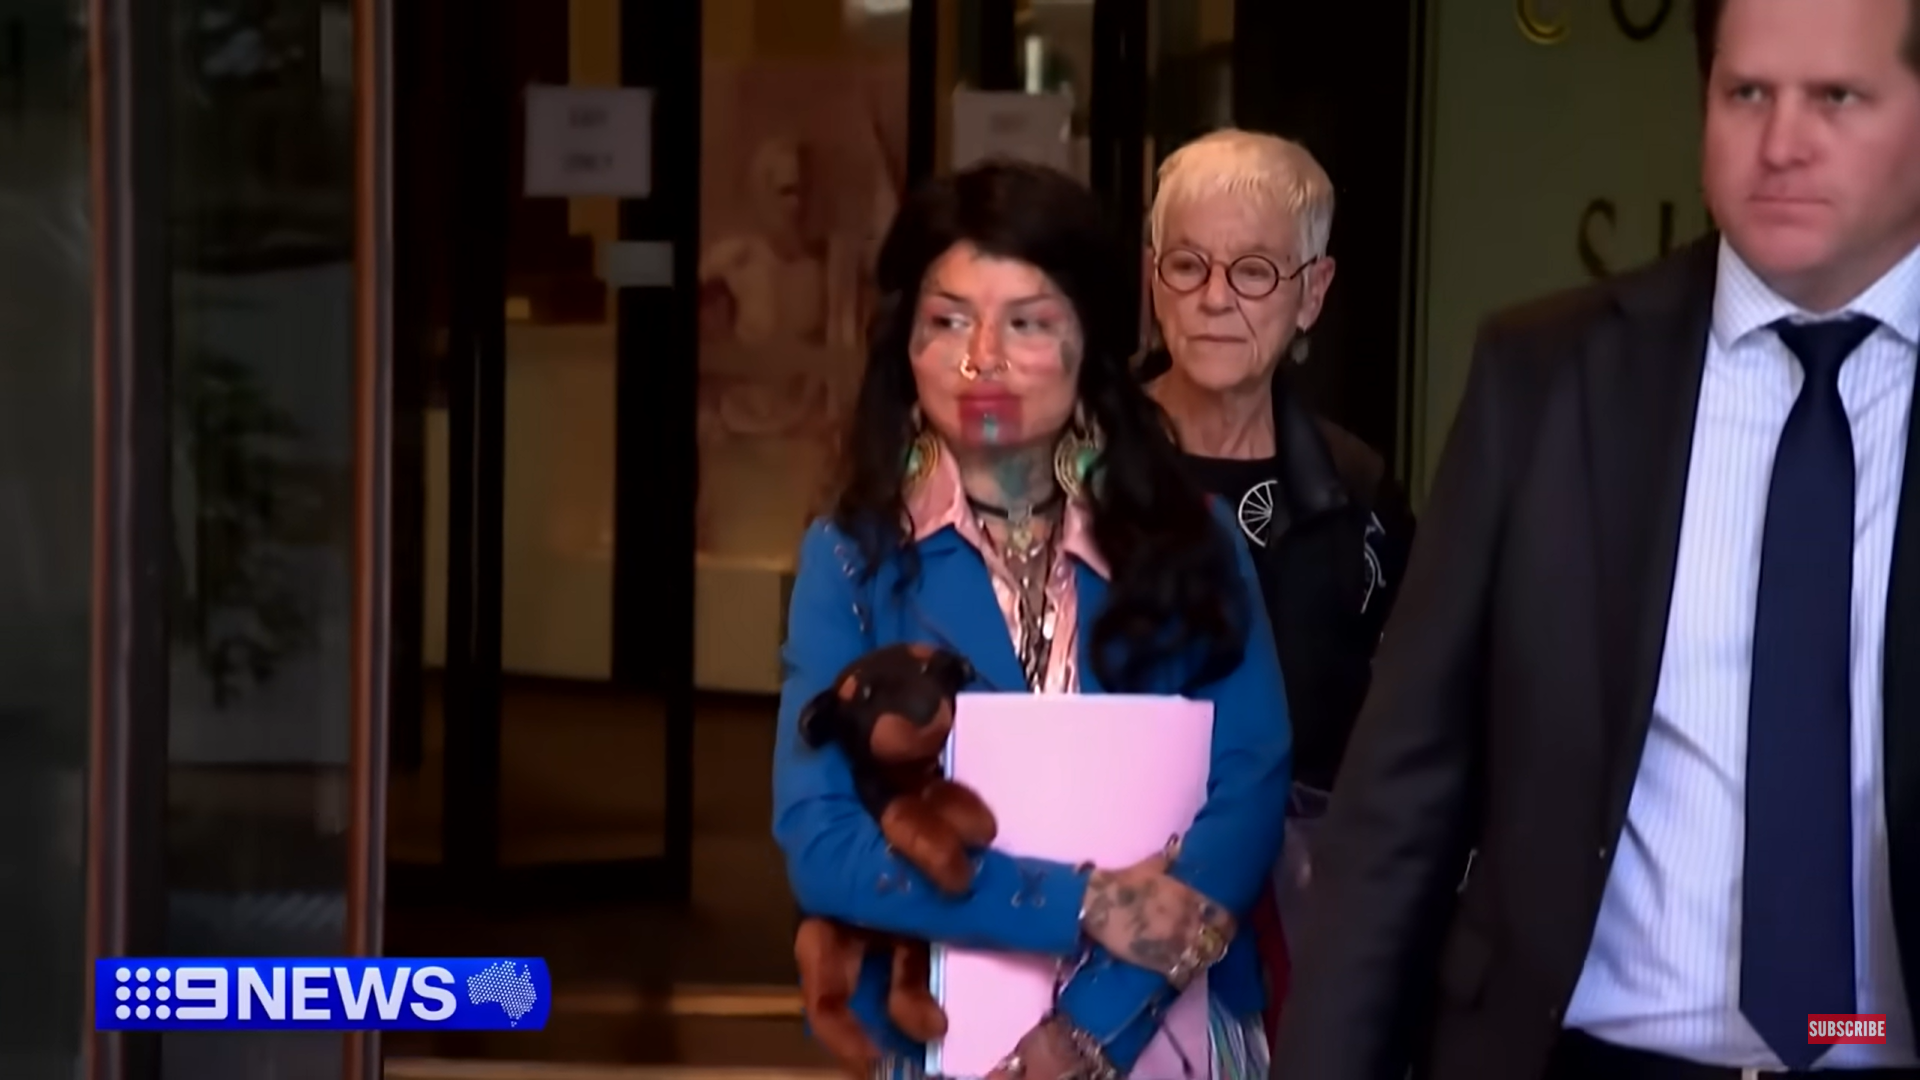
[(839, 866)]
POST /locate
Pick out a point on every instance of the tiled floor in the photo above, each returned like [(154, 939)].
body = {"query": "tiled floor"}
[(637, 985), (633, 1040), (433, 1069), (582, 775), (257, 857)]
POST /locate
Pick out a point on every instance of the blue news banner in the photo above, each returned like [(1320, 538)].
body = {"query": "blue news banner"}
[(320, 994)]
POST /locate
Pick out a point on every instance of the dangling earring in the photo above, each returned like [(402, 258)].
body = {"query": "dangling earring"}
[(923, 452), (1076, 454)]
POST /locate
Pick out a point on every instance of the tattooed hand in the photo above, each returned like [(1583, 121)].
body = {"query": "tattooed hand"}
[(1150, 920)]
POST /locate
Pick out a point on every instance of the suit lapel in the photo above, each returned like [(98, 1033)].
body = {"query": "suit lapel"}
[(956, 604), (1900, 715), (1641, 381), (1090, 597)]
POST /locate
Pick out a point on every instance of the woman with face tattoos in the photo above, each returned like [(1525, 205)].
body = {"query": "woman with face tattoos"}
[(1010, 495)]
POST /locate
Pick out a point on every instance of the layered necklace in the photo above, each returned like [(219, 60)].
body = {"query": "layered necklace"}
[(1028, 555)]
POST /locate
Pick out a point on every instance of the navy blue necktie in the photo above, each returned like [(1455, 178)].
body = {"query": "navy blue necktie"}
[(1796, 939)]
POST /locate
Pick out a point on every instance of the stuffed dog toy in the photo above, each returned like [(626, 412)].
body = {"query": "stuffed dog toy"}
[(890, 712)]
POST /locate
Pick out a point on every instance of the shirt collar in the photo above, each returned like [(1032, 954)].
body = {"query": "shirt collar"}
[(940, 502), (1743, 304)]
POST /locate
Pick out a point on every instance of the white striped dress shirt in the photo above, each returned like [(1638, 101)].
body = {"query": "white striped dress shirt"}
[(1663, 971)]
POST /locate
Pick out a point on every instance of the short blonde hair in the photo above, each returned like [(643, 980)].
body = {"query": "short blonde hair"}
[(1277, 175)]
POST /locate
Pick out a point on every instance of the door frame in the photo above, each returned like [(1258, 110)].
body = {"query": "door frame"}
[(126, 897), (370, 650), (129, 60)]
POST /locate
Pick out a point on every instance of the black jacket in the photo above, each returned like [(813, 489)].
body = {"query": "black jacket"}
[(1513, 697), (1336, 546)]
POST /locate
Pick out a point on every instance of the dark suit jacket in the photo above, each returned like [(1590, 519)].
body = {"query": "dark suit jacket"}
[(1512, 695)]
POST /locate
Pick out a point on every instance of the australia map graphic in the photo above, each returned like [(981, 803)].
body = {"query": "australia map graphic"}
[(507, 985)]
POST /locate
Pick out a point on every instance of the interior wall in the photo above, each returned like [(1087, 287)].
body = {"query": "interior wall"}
[(803, 155), (1555, 153)]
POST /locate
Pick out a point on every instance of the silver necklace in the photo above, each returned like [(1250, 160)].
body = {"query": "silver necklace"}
[(1029, 561)]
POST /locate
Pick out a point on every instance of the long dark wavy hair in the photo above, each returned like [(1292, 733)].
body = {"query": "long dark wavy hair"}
[(1176, 595)]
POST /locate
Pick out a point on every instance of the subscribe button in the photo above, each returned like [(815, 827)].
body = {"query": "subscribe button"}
[(1839, 1029)]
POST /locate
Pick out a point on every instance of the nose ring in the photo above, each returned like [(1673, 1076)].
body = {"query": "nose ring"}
[(968, 371)]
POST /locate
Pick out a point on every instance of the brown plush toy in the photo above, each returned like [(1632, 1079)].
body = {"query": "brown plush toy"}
[(890, 713)]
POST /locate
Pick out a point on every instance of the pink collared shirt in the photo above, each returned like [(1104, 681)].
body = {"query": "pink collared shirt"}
[(940, 502)]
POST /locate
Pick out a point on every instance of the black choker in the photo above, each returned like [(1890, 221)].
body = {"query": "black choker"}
[(1020, 539), (1021, 515)]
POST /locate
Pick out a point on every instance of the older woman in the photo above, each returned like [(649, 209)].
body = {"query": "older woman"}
[(1240, 224), (1009, 496), (1239, 231)]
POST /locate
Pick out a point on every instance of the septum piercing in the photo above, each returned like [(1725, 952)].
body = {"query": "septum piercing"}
[(973, 372)]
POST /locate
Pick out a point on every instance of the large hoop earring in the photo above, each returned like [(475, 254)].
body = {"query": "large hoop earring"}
[(923, 451), (1076, 454)]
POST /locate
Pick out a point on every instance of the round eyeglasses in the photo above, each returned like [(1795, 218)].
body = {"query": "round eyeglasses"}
[(1252, 276)]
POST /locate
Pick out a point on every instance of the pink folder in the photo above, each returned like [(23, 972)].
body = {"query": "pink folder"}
[(1105, 778)]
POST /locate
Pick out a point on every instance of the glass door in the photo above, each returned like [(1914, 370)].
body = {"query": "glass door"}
[(541, 796), (1352, 98), (275, 279), (542, 688)]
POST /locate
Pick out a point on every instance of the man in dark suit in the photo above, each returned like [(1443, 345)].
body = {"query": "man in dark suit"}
[(1637, 787)]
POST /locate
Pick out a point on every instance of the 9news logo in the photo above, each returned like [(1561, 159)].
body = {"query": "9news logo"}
[(325, 994)]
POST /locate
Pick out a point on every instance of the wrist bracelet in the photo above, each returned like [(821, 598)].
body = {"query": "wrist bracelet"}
[(1203, 950), (1093, 1061), (1085, 871)]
